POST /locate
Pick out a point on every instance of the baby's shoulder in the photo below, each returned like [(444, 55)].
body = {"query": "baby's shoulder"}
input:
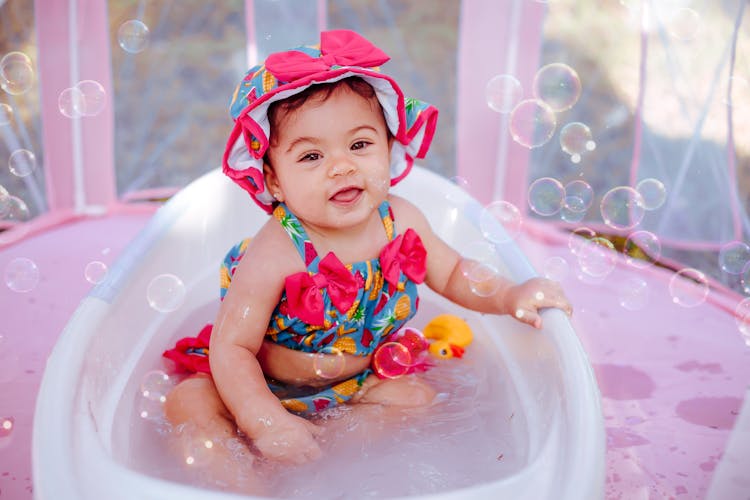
[(407, 215), (270, 251)]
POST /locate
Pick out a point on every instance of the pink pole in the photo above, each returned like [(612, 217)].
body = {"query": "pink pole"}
[(73, 43), (97, 132), (54, 76), (493, 43)]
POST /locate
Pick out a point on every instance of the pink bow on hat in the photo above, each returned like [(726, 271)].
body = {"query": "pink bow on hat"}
[(337, 48)]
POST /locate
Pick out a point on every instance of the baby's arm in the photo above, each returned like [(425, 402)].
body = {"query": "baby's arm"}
[(445, 276), (236, 338)]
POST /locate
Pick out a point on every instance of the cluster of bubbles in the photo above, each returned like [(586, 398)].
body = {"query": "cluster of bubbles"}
[(621, 208), (532, 122), (597, 258), (16, 78), (86, 98)]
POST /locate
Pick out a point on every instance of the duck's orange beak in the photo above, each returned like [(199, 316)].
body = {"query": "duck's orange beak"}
[(457, 350)]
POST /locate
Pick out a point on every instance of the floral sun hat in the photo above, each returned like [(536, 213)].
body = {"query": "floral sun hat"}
[(340, 54)]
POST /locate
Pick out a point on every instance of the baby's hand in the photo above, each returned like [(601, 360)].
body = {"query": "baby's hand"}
[(525, 300), (291, 440)]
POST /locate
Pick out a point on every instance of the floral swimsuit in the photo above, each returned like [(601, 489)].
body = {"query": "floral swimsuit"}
[(329, 308)]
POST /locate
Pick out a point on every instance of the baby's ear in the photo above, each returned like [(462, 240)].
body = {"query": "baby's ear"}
[(271, 181)]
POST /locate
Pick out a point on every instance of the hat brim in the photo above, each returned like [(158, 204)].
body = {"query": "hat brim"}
[(411, 122)]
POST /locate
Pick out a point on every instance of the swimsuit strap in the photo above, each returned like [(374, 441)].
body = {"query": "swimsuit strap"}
[(293, 227)]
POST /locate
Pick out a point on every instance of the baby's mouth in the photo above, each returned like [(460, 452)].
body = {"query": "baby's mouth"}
[(346, 195)]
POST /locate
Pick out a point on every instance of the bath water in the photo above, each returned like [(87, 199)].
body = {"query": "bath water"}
[(473, 433)]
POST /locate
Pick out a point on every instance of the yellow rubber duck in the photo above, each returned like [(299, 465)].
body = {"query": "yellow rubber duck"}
[(448, 335)]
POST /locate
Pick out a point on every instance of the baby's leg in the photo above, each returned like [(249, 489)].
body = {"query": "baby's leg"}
[(405, 392), (205, 435)]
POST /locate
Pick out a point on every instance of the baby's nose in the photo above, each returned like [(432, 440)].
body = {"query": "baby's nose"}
[(342, 166)]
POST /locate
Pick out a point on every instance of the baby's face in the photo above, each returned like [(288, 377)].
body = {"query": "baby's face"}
[(331, 160)]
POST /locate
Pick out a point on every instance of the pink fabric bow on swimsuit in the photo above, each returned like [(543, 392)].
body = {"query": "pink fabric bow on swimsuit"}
[(303, 290), (405, 253), (337, 48)]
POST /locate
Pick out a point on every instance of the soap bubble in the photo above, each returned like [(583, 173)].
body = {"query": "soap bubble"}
[(532, 123), (166, 293), (503, 92), (155, 385), (597, 257), (329, 363), (414, 341), (581, 190), (622, 208), (556, 268), (93, 97), (642, 249), (481, 267), (484, 279), (6, 114), (13, 208), (16, 73), (578, 238), (634, 293), (575, 139), (688, 287), (500, 221), (70, 102), (21, 275), (546, 196), (572, 210), (95, 272), (391, 360), (684, 24), (558, 85), (150, 409), (653, 192), (133, 36), (22, 162), (734, 256)]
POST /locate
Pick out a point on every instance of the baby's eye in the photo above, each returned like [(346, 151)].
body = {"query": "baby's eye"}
[(360, 144), (310, 157)]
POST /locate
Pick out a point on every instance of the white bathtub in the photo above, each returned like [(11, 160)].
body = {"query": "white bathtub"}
[(81, 429)]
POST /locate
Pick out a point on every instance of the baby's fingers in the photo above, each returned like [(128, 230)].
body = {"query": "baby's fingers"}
[(553, 298), (529, 317)]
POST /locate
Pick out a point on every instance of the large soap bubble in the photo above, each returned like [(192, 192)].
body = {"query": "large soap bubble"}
[(558, 85), (16, 73), (532, 123), (503, 92), (133, 36)]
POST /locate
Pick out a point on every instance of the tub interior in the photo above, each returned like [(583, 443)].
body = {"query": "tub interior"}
[(497, 410)]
